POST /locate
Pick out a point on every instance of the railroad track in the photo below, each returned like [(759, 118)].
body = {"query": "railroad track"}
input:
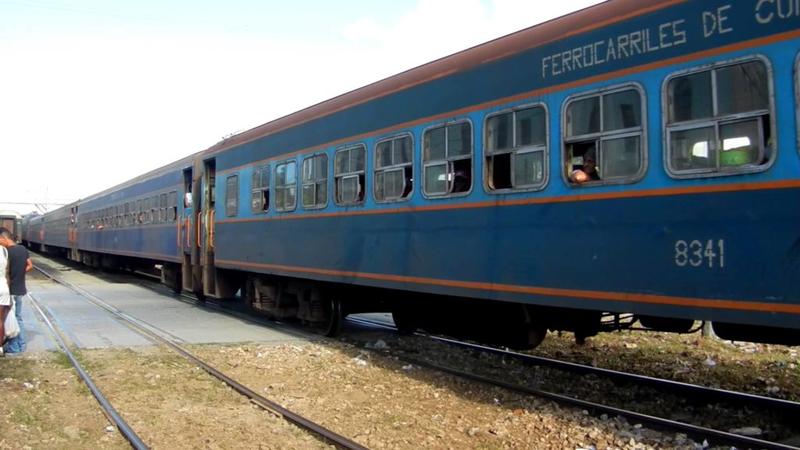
[(162, 337), (112, 414), (697, 393)]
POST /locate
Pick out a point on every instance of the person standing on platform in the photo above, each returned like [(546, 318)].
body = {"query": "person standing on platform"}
[(19, 263), (5, 296)]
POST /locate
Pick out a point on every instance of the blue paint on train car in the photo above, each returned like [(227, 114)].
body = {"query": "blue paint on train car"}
[(611, 246), (779, 56), (148, 241), (161, 183)]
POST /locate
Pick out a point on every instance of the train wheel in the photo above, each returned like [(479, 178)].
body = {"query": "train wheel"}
[(171, 277), (535, 336), (333, 325)]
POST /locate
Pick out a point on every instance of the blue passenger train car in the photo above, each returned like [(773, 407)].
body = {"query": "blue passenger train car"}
[(636, 157)]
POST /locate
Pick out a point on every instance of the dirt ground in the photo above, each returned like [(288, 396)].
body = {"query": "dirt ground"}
[(768, 370), (378, 401)]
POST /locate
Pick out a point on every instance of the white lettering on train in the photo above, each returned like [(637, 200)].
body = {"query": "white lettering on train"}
[(714, 21), (624, 46), (768, 10), (698, 253)]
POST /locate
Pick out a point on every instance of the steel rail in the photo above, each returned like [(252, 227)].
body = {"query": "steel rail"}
[(123, 427), (717, 436), (255, 397), (715, 394)]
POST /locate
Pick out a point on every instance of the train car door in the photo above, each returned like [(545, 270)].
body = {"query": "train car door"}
[(207, 226), (186, 233), (72, 233)]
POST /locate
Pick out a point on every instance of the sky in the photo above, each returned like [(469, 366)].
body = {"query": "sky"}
[(96, 92)]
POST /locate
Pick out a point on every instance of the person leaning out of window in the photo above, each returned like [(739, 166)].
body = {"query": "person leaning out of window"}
[(587, 172)]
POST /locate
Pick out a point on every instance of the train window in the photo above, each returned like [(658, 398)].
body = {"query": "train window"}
[(232, 195), (719, 120), (139, 211), (394, 169), (604, 137), (286, 186), (154, 209), (172, 211), (349, 174), (447, 159), (315, 181), (259, 199), (516, 149), (163, 207)]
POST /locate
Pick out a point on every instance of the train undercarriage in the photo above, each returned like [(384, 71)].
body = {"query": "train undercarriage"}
[(322, 307)]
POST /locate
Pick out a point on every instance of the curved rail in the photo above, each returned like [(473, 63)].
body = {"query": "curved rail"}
[(717, 436), (263, 402), (123, 427)]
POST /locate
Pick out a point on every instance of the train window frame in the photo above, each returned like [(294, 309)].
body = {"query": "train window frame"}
[(768, 148), (162, 200), (232, 195), (359, 176), (600, 136), (172, 204), (148, 216), (314, 182), (515, 150), (154, 209), (259, 189), (394, 167), (448, 161), (280, 206)]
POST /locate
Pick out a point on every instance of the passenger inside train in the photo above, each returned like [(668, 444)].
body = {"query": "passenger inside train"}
[(584, 164)]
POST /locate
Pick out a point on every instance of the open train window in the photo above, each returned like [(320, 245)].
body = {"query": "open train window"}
[(232, 195), (349, 175), (259, 197), (719, 119), (447, 159), (286, 186), (604, 138), (154, 209), (516, 149), (146, 213), (172, 211), (315, 181), (163, 209), (394, 171)]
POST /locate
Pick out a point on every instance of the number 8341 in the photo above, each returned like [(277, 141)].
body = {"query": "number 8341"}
[(696, 253)]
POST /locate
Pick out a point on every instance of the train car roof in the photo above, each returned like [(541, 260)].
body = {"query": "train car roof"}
[(602, 14)]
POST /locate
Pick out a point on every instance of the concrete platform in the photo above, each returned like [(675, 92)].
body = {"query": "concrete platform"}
[(90, 326)]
